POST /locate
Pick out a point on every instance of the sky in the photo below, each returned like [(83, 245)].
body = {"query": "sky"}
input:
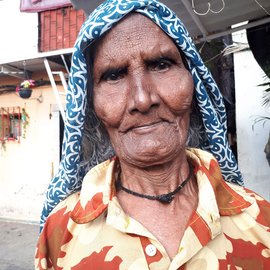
[(18, 31)]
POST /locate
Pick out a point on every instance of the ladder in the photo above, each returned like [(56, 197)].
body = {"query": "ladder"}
[(56, 92)]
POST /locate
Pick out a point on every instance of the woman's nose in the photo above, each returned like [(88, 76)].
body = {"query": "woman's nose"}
[(143, 95)]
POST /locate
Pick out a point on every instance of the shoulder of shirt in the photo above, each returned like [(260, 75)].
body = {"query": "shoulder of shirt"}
[(259, 208), (248, 193), (65, 206), (73, 198), (238, 197)]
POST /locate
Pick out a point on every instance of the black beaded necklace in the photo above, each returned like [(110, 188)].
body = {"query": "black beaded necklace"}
[(163, 198)]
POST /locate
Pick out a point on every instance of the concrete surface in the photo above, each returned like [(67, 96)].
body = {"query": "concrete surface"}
[(17, 245)]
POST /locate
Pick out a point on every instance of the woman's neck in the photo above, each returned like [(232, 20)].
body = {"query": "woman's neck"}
[(157, 179)]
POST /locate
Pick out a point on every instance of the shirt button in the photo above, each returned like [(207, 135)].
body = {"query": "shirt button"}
[(151, 250), (117, 211)]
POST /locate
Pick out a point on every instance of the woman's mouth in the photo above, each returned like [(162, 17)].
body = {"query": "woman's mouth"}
[(147, 127)]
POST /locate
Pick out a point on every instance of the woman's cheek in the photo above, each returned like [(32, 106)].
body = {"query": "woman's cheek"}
[(109, 106), (178, 93)]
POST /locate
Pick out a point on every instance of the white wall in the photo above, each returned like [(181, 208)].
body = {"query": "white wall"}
[(251, 142), (18, 31), (26, 168)]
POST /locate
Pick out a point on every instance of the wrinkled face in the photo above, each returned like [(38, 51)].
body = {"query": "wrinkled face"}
[(142, 92)]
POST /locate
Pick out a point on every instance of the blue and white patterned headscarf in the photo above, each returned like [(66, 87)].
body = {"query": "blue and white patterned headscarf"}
[(209, 99)]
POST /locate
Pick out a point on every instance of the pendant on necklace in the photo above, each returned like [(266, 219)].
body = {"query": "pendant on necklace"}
[(165, 198)]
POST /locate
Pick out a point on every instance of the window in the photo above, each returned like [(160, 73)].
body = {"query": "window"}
[(10, 124)]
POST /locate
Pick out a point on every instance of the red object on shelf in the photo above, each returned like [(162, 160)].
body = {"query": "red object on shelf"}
[(10, 124), (41, 5), (59, 28)]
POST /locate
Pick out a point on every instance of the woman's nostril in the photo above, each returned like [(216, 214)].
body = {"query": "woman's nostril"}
[(143, 102), (143, 97)]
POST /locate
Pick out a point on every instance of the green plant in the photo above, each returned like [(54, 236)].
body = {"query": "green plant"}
[(25, 121), (3, 145), (25, 84), (265, 102), (28, 83), (266, 94), (266, 91), (265, 119)]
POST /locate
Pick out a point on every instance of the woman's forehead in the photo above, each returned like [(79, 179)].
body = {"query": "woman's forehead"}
[(132, 24), (135, 20), (134, 32)]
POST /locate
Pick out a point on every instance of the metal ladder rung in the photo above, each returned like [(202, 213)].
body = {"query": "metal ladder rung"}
[(62, 78)]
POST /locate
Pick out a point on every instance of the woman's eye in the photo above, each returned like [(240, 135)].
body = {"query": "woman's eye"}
[(161, 65), (113, 75)]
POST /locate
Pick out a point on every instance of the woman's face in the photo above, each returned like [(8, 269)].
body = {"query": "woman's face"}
[(142, 92)]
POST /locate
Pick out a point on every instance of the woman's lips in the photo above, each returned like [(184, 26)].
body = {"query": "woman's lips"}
[(146, 128)]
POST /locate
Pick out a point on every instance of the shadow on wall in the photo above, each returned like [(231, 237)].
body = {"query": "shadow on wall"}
[(259, 42), (267, 150)]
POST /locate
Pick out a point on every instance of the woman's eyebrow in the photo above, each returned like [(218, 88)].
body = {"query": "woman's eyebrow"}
[(169, 54), (110, 65), (110, 70), (158, 59)]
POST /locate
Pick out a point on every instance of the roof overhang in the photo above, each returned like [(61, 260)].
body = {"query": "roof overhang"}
[(206, 19), (21, 67), (217, 20)]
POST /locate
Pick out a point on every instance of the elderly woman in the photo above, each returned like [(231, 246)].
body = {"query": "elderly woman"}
[(148, 201)]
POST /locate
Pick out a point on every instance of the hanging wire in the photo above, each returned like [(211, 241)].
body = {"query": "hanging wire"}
[(233, 48), (200, 50), (208, 9), (261, 6), (25, 73)]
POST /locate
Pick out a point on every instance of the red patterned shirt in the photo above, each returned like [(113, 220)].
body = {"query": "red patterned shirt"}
[(230, 228)]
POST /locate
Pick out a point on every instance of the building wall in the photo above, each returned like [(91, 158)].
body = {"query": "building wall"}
[(59, 28), (26, 168), (251, 139), (19, 32)]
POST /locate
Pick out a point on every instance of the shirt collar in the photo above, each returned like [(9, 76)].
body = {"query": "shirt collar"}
[(208, 173), (97, 190), (215, 195)]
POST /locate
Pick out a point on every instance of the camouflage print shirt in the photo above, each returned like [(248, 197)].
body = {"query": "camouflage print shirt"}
[(90, 231)]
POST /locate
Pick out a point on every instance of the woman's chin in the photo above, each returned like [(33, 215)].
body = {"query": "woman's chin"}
[(150, 156), (145, 149)]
